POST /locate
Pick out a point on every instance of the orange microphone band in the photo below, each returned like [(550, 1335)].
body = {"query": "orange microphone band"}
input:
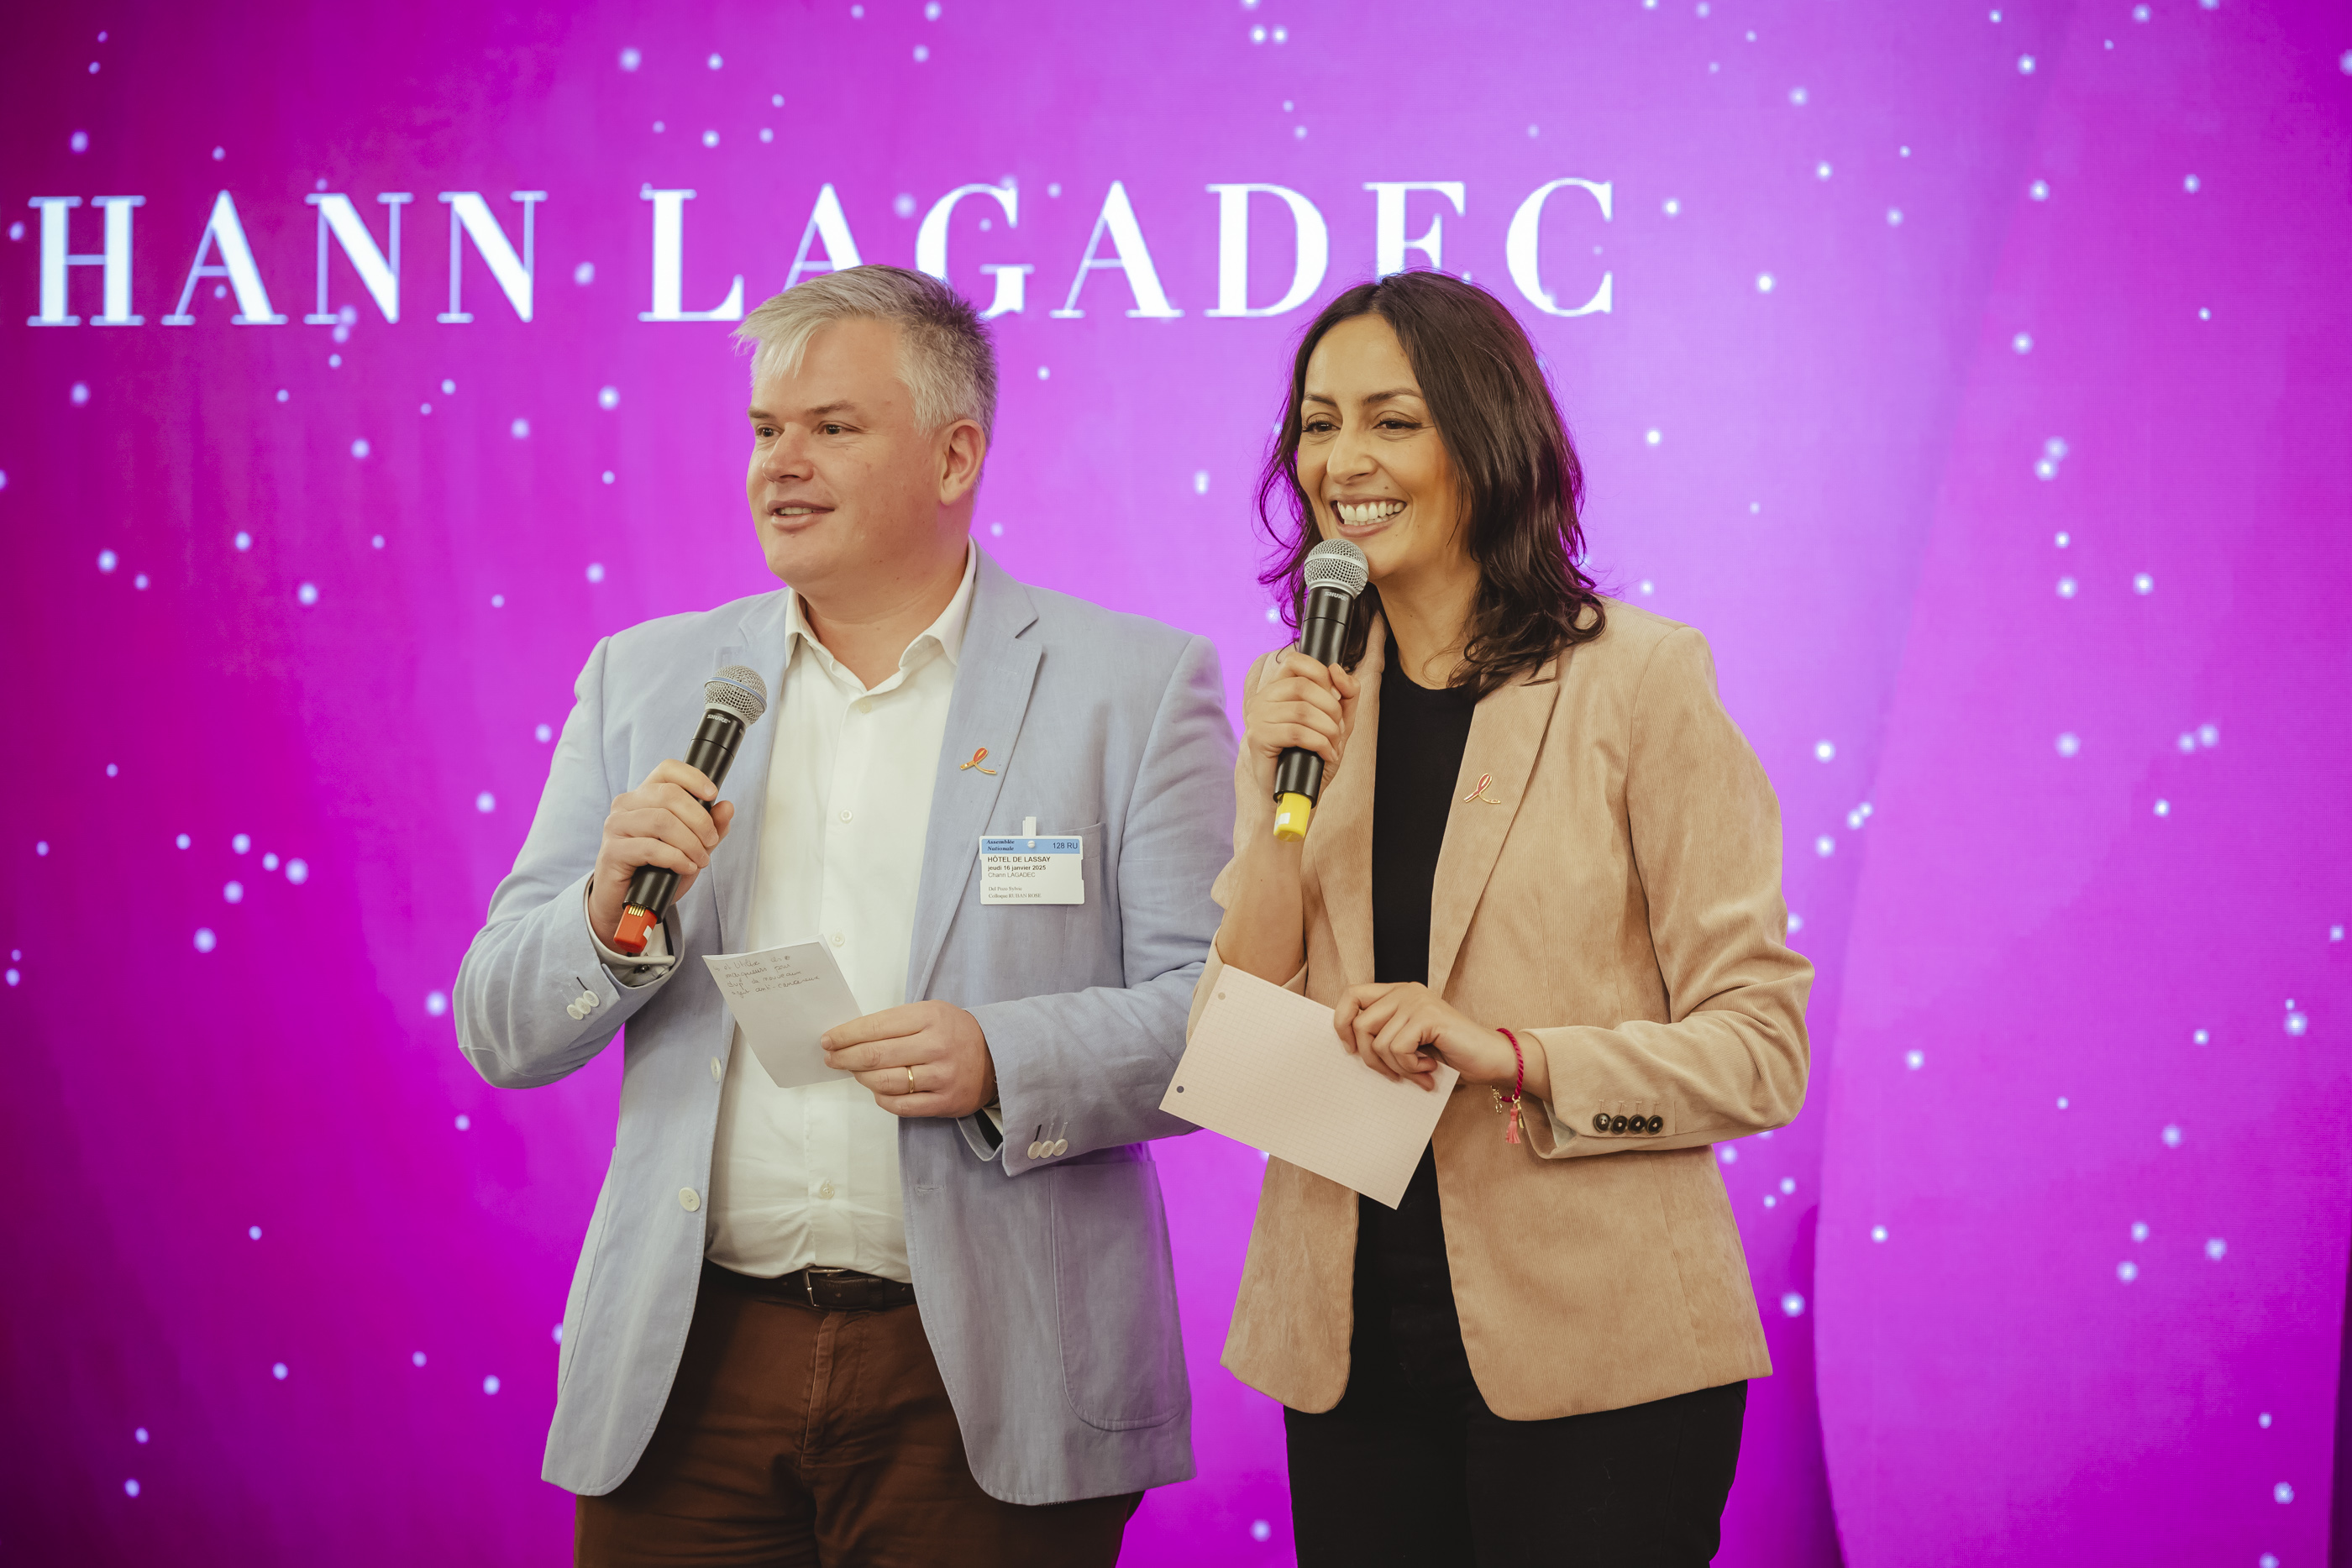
[(636, 925)]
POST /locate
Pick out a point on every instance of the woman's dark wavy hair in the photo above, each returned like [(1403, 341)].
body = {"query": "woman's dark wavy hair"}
[(1521, 483)]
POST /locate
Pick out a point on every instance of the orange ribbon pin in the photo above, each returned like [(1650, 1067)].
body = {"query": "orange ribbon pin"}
[(1479, 794), (977, 758)]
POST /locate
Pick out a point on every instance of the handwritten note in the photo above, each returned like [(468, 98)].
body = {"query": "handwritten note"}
[(785, 999), (1264, 1068)]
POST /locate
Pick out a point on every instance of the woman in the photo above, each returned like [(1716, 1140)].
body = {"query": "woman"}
[(1545, 857)]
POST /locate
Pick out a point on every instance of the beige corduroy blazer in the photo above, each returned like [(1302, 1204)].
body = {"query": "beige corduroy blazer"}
[(1619, 905)]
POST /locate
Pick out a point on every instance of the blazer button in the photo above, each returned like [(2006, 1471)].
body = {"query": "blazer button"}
[(689, 1199), (1617, 1124), (1601, 1123), (1657, 1125), (1061, 1146), (1033, 1148)]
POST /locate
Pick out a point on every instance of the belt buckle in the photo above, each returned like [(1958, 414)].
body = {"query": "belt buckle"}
[(809, 1277)]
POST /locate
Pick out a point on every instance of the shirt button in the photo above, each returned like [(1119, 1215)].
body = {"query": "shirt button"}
[(865, 704), (845, 816), (838, 939), (689, 1199), (825, 1190), (714, 1073)]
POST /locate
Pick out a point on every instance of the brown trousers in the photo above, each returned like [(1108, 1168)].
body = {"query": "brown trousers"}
[(799, 1437)]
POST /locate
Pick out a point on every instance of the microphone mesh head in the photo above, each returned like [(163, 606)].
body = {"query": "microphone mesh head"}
[(739, 690), (1336, 563)]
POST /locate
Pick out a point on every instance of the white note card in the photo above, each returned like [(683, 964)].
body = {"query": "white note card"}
[(1264, 1068), (784, 999)]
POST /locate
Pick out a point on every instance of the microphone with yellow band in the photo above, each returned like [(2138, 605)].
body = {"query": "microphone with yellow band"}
[(1336, 574)]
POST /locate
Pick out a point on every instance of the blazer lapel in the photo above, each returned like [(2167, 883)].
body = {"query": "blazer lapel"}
[(993, 679), (1339, 834), (763, 646), (1506, 733)]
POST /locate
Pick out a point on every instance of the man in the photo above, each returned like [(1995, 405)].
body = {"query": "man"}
[(923, 1314)]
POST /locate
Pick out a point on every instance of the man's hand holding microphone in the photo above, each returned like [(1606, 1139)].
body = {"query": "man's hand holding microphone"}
[(923, 1058), (672, 821)]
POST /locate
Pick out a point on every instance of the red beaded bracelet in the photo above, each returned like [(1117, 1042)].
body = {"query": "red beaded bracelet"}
[(1518, 1082)]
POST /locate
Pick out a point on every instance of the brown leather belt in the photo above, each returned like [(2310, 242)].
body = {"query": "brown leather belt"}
[(826, 1289)]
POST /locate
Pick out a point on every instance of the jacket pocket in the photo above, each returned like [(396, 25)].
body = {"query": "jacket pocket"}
[(1115, 1291)]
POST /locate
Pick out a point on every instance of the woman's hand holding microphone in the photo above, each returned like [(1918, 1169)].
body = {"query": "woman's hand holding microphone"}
[(1297, 703)]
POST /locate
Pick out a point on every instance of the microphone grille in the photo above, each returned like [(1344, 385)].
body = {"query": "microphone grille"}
[(1336, 563), (739, 690)]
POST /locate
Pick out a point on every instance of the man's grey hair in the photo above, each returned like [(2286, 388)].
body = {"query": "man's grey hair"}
[(945, 357)]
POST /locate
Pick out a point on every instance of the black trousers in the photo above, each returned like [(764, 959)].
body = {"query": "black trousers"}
[(1425, 1478), (1412, 1467)]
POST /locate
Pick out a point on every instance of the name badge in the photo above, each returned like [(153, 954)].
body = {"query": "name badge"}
[(1032, 868)]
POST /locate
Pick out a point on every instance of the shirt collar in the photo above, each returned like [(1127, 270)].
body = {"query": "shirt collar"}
[(943, 636)]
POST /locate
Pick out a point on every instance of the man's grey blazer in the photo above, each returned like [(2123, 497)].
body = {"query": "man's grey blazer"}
[(1045, 1284)]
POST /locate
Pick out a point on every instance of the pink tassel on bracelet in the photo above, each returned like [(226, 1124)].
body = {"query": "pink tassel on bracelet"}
[(1518, 1082)]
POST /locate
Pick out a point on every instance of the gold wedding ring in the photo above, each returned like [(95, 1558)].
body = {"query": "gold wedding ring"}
[(910, 1080)]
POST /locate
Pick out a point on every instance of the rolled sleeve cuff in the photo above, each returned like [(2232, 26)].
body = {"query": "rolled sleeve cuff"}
[(654, 964)]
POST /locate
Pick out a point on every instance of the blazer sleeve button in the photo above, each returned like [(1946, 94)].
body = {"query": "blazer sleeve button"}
[(1617, 1124), (1601, 1123), (1657, 1125)]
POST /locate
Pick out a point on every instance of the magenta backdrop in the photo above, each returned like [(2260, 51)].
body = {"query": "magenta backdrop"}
[(1979, 381)]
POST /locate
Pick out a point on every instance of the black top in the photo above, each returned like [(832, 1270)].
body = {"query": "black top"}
[(1406, 1327)]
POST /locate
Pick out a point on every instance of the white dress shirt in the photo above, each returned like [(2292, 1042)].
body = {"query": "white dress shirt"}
[(809, 1177)]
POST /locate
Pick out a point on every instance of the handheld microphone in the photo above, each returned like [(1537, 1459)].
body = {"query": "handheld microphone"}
[(734, 699), (1336, 574)]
